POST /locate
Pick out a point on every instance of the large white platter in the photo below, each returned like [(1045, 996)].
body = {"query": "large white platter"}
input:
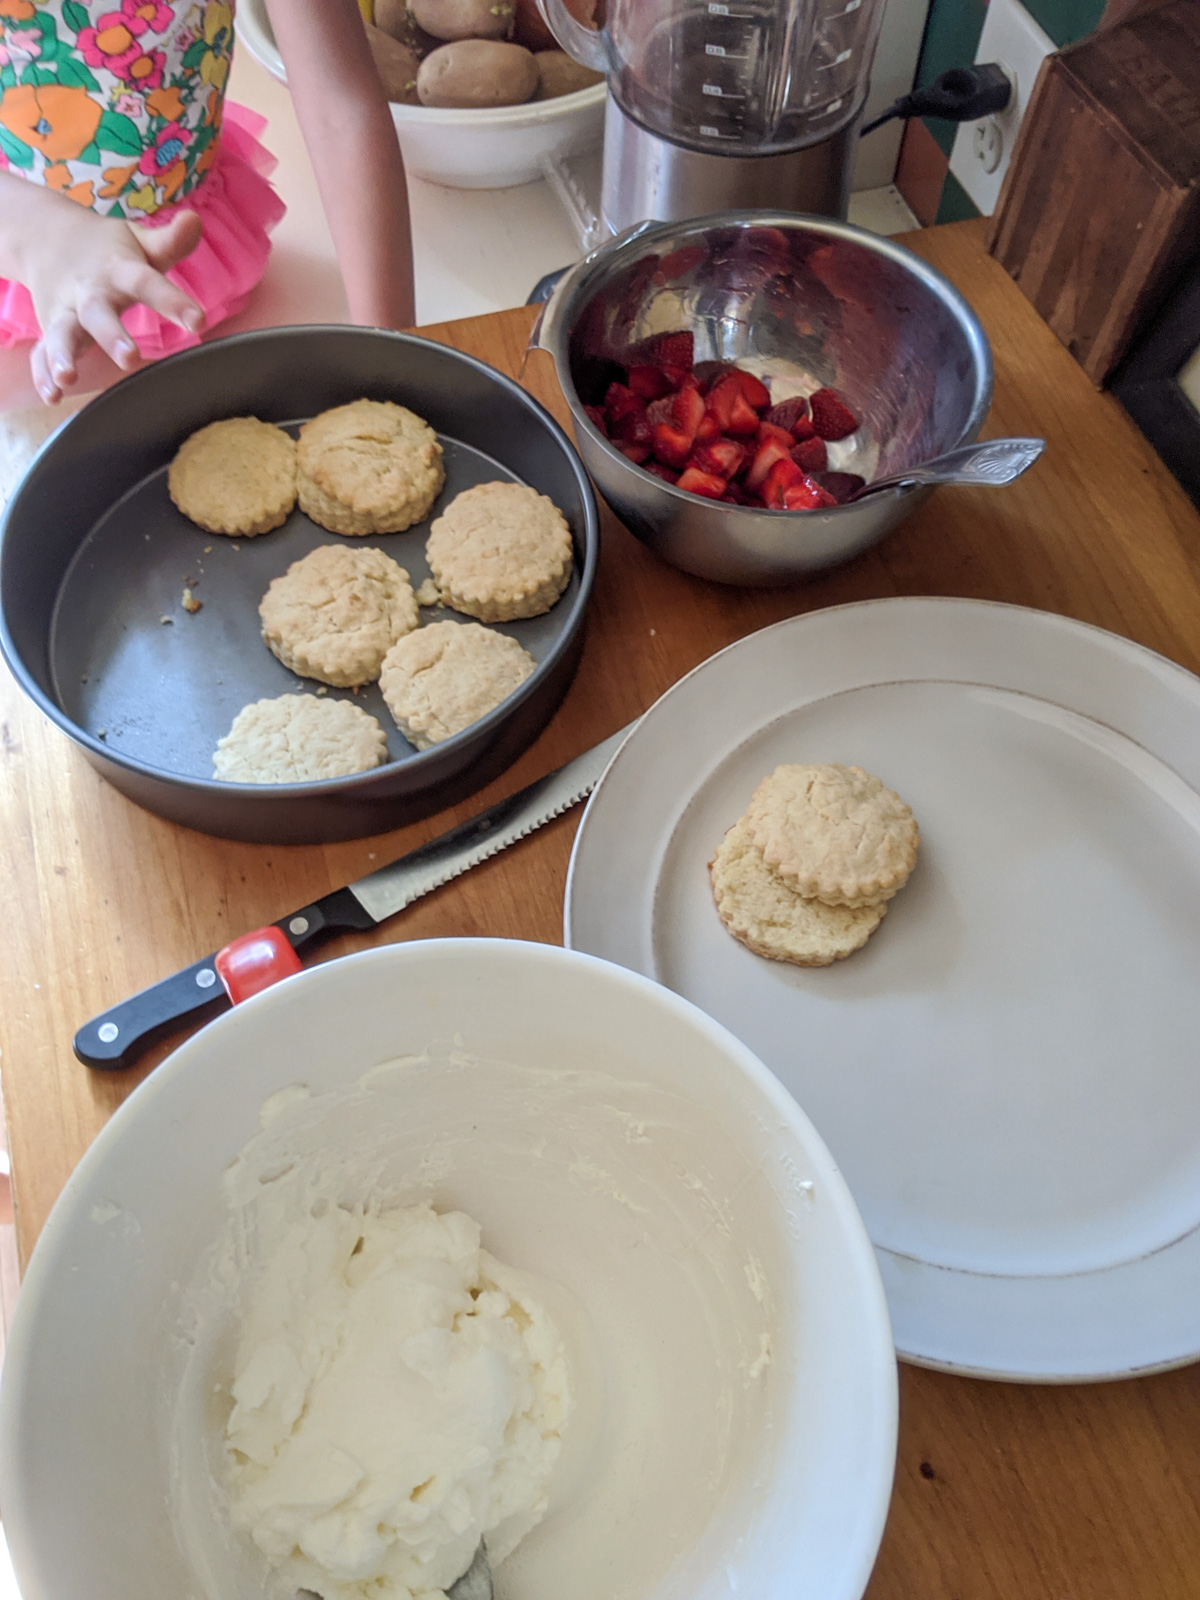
[(1009, 1072)]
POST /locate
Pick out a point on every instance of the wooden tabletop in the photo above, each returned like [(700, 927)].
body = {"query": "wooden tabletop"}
[(1024, 1493)]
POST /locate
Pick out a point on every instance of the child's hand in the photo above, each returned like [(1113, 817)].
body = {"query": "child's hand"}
[(83, 270)]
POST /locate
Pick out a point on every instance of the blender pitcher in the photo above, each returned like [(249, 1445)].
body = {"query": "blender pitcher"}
[(717, 106)]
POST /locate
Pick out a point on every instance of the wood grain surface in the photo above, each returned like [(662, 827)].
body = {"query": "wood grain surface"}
[(1025, 1493)]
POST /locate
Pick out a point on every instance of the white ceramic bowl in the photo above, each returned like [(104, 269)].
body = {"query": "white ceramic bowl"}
[(494, 149), (611, 1139)]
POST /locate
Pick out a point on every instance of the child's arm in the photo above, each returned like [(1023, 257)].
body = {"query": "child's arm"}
[(351, 140), (82, 270)]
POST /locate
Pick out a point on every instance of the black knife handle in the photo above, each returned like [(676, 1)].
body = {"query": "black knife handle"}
[(118, 1036)]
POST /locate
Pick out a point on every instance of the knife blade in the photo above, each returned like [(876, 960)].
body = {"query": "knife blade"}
[(115, 1037)]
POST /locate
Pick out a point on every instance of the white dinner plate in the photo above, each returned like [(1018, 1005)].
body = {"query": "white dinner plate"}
[(1009, 1072)]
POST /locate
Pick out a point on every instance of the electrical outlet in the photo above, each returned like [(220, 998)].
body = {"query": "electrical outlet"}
[(982, 150)]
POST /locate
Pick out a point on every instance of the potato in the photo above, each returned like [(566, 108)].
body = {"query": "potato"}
[(464, 19), (475, 73), (397, 66), (533, 33), (394, 17), (559, 74)]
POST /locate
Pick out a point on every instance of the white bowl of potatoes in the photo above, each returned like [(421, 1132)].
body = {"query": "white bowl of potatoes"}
[(485, 102)]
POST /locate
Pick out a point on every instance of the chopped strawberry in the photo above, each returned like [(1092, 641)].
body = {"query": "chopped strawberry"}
[(786, 414), (724, 458), (807, 495), (619, 402), (705, 483), (688, 411), (670, 445), (633, 428), (681, 377), (598, 419), (650, 382), (667, 474), (736, 495), (766, 457), (782, 476), (668, 350), (637, 453), (709, 428), (720, 401), (710, 372), (756, 392), (770, 430), (810, 455), (832, 417), (804, 429)]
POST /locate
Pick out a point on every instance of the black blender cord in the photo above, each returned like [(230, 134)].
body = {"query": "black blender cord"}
[(964, 94)]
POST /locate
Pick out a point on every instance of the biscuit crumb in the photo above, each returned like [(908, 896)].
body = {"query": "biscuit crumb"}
[(428, 594), (189, 602), (166, 621), (102, 733)]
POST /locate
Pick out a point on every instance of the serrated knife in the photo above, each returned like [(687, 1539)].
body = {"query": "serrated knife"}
[(116, 1037)]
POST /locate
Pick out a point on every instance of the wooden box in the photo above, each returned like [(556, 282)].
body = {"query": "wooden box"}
[(1101, 206)]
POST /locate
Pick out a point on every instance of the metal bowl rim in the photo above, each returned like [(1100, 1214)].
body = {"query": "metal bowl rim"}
[(353, 783)]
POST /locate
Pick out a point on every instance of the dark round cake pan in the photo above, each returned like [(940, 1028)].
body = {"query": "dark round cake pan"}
[(95, 559)]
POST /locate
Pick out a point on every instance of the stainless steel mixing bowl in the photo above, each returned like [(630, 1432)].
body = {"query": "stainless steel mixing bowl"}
[(809, 301)]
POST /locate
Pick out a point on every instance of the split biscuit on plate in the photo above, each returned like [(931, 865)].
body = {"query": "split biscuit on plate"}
[(772, 920), (501, 551), (236, 477), (440, 679), (298, 738), (833, 833), (368, 467), (335, 614)]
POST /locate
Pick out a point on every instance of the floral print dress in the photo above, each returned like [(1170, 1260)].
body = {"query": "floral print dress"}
[(120, 107)]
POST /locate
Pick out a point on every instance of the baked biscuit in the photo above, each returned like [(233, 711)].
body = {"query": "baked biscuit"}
[(236, 477), (298, 739), (772, 920), (500, 551), (368, 467), (336, 613), (833, 833), (440, 679)]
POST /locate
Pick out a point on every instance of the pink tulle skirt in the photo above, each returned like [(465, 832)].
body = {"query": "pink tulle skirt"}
[(238, 207)]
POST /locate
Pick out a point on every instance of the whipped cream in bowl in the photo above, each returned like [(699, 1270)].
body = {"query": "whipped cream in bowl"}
[(442, 1242)]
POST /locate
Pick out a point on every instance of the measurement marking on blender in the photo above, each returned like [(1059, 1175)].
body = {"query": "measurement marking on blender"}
[(827, 66), (716, 91)]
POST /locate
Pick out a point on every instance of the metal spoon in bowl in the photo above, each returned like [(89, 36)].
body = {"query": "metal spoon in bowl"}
[(993, 461), (475, 1583)]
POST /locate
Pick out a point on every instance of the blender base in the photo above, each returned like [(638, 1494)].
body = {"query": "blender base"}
[(648, 178)]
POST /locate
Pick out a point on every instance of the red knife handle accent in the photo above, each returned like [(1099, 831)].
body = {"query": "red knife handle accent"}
[(254, 962)]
